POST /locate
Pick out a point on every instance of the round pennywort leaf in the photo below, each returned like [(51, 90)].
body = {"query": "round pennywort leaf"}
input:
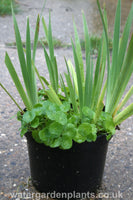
[(44, 134), (29, 116), (66, 142), (55, 129)]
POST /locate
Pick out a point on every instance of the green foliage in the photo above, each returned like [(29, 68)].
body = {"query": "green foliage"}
[(30, 96), (87, 85), (106, 124), (95, 44), (55, 129), (81, 106), (5, 7), (88, 112), (56, 42), (121, 69), (50, 59), (35, 135), (66, 142), (79, 138), (89, 131), (57, 126)]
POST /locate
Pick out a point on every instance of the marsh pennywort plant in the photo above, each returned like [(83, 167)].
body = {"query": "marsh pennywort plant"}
[(81, 106)]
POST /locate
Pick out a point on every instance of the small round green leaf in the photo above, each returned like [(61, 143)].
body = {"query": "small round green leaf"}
[(74, 119), (79, 138), (88, 112), (105, 123), (53, 107), (38, 109), (91, 137), (70, 130), (65, 107), (61, 117), (56, 143), (44, 134), (36, 137), (66, 142), (55, 129), (85, 129), (35, 123), (29, 116), (51, 115)]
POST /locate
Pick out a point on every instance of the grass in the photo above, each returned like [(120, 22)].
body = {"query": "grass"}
[(95, 43), (57, 43), (5, 7)]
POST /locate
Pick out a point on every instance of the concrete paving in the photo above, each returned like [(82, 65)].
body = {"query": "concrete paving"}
[(14, 164)]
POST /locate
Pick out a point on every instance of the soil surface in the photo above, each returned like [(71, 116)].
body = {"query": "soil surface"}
[(14, 164)]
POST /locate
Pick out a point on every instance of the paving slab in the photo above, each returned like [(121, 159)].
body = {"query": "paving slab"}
[(14, 164), (62, 13)]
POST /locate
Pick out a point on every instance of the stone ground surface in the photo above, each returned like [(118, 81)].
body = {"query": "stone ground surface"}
[(14, 164)]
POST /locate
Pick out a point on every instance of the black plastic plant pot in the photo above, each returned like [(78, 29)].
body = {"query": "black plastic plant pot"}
[(79, 169)]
